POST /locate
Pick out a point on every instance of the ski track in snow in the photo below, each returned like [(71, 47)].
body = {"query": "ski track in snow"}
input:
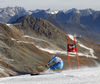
[(78, 76)]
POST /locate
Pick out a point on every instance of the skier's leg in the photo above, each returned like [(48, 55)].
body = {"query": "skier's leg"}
[(58, 65), (53, 67)]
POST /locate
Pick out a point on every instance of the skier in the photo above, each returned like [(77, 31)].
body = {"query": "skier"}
[(58, 63)]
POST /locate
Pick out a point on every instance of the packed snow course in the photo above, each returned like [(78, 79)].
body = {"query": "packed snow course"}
[(78, 76)]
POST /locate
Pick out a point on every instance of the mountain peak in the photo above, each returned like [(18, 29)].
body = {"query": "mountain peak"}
[(87, 11), (51, 11), (71, 10)]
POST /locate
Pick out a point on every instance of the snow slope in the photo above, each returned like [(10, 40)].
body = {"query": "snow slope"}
[(78, 76)]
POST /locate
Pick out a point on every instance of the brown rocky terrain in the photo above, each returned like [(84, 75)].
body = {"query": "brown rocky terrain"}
[(21, 41)]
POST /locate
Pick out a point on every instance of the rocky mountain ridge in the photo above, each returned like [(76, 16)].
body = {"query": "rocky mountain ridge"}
[(68, 22)]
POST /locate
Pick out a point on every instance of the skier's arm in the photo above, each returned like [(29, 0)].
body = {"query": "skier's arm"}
[(51, 60)]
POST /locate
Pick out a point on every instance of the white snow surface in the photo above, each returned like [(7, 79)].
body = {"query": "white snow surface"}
[(78, 76)]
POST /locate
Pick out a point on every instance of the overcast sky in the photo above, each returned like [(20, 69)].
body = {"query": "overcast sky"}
[(53, 4)]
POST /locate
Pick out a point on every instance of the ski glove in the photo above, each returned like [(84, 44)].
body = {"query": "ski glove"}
[(46, 65)]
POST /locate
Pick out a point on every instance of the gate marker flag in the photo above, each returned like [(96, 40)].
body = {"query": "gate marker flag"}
[(72, 48)]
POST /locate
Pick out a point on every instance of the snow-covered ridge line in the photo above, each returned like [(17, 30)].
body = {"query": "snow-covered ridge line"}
[(81, 45), (66, 11), (52, 51), (90, 49)]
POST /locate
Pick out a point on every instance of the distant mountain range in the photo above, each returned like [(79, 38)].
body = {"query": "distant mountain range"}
[(87, 17), (83, 12), (10, 12), (81, 22), (74, 22)]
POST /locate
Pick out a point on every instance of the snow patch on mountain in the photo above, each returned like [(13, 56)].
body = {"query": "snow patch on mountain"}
[(77, 11), (83, 46), (90, 49), (2, 71), (51, 11), (52, 51)]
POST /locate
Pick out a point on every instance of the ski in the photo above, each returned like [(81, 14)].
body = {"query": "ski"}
[(45, 73), (35, 74)]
